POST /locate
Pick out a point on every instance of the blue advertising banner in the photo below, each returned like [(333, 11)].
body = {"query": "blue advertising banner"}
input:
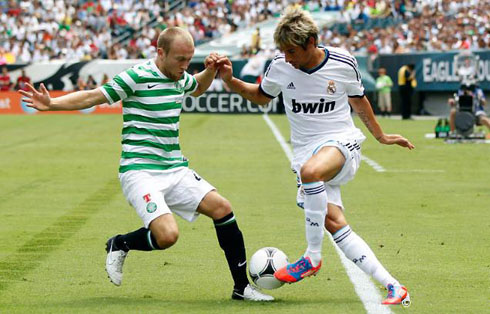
[(436, 71)]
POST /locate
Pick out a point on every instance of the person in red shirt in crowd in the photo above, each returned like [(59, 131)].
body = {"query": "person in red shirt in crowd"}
[(22, 80), (5, 82)]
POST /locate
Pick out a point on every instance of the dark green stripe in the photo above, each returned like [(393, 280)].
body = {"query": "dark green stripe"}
[(123, 169), (192, 87), (141, 79), (123, 85), (165, 147), (152, 107), (157, 92), (187, 79), (160, 133), (129, 155), (162, 120), (112, 93)]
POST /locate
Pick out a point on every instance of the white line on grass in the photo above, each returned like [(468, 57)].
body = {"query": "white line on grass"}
[(377, 167), (364, 287)]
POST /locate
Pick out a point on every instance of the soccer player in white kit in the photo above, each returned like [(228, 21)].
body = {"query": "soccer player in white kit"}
[(154, 174), (317, 84)]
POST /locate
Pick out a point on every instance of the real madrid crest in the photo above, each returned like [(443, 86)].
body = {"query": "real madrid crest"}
[(331, 88)]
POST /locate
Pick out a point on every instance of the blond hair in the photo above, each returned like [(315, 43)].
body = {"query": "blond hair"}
[(295, 28), (166, 37)]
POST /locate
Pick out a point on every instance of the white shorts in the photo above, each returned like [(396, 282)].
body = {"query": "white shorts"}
[(351, 149), (154, 193)]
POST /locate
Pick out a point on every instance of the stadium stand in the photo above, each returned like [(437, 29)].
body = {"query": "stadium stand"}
[(34, 31)]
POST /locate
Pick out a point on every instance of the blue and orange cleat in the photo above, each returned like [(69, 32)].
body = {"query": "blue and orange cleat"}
[(297, 271), (397, 295)]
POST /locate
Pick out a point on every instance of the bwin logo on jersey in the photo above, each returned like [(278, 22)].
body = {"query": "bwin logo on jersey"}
[(313, 107)]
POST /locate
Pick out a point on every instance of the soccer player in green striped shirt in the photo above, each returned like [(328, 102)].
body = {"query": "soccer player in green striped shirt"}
[(154, 174)]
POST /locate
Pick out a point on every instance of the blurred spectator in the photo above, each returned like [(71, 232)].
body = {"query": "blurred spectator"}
[(383, 86), (218, 85), (255, 44), (22, 80), (81, 85), (5, 83), (105, 79), (91, 83), (406, 85)]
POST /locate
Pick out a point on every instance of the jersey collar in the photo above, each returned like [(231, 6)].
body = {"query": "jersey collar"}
[(318, 67)]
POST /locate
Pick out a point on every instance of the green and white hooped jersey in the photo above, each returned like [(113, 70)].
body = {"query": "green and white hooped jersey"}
[(151, 109)]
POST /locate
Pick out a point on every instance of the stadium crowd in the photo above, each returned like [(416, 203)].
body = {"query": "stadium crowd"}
[(34, 31)]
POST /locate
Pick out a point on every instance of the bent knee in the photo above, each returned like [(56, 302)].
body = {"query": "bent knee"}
[(310, 173), (167, 238), (223, 208)]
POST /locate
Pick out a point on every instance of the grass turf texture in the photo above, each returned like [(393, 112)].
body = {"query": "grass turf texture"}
[(426, 218)]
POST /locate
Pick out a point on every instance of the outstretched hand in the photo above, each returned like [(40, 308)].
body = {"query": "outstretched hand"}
[(39, 100), (390, 139), (225, 69)]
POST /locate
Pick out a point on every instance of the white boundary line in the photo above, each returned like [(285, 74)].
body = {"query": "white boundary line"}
[(364, 287), (377, 167)]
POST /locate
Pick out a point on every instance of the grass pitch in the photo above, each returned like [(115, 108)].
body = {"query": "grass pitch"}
[(427, 219)]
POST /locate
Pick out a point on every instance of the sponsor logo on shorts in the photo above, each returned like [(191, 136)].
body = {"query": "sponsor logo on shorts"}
[(198, 178), (147, 198), (151, 207)]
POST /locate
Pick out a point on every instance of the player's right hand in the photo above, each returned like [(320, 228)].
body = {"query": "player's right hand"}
[(39, 100), (225, 69)]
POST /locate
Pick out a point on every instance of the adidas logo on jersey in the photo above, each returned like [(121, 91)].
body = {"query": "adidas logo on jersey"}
[(315, 107), (291, 86)]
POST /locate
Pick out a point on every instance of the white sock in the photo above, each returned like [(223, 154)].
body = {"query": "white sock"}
[(359, 252), (315, 211)]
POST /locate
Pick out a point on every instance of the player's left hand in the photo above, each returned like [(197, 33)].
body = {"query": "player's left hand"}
[(211, 61), (390, 139)]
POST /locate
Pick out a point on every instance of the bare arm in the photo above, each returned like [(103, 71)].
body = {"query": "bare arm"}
[(206, 77), (246, 90), (363, 109), (42, 101)]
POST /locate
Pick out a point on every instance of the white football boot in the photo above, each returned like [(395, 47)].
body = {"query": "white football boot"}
[(114, 262), (251, 293)]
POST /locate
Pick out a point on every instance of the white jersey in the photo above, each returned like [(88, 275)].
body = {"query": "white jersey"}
[(316, 100)]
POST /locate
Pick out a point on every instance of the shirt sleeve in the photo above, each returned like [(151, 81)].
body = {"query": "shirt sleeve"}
[(120, 87), (270, 85), (190, 84), (354, 87)]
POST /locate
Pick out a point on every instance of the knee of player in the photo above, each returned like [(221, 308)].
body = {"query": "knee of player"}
[(451, 102), (310, 173), (167, 239), (223, 208)]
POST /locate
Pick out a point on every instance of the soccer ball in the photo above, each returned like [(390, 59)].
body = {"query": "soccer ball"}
[(263, 264)]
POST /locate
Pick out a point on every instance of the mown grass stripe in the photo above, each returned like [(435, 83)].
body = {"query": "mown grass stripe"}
[(123, 169), (153, 132), (32, 253), (152, 107), (161, 120), (165, 147)]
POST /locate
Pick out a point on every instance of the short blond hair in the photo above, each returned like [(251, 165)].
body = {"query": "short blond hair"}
[(166, 37), (295, 28)]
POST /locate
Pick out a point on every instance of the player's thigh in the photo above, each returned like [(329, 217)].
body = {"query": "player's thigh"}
[(139, 190), (186, 196), (324, 165), (214, 206)]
